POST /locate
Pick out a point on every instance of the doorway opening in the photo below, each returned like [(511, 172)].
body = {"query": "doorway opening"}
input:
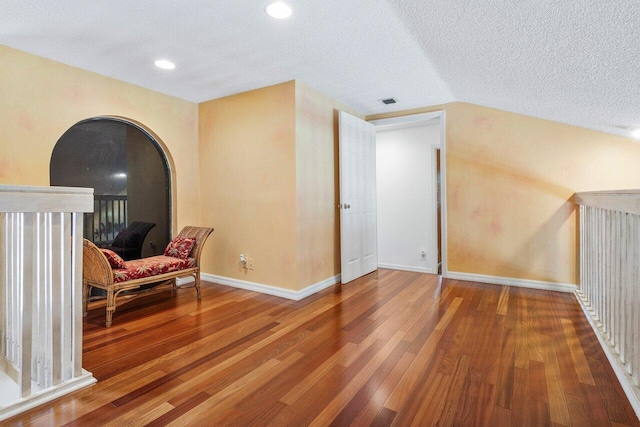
[(130, 175), (411, 193)]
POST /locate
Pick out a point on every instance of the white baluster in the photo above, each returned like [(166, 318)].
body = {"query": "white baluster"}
[(624, 286), (633, 315), (57, 286), (613, 278)]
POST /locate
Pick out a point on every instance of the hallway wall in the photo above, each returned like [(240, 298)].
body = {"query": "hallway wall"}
[(406, 197)]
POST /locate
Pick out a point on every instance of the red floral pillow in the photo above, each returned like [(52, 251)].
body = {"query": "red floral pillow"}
[(114, 259), (180, 247)]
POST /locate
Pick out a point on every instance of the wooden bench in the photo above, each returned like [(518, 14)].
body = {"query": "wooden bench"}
[(98, 273)]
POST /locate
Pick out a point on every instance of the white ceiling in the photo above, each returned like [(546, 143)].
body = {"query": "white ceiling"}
[(573, 61)]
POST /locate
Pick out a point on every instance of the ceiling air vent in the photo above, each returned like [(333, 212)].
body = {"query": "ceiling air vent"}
[(388, 101)]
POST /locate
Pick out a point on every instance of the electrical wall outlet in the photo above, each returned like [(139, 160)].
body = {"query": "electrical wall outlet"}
[(250, 265)]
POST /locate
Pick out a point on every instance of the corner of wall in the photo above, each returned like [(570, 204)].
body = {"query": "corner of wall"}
[(317, 189), (248, 175)]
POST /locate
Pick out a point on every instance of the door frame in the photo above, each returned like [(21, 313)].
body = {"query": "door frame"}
[(440, 116), (435, 152)]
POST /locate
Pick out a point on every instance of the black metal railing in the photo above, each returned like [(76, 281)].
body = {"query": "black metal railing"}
[(109, 217)]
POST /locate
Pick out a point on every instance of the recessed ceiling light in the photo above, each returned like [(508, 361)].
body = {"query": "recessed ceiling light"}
[(278, 10), (164, 64), (635, 133)]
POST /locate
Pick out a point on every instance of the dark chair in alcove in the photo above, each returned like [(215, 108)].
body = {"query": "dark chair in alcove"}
[(128, 242)]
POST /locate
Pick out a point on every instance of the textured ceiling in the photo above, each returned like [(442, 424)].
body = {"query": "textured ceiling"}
[(570, 61)]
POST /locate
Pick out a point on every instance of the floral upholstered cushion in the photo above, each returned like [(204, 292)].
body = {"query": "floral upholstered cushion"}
[(152, 266), (180, 247), (114, 259)]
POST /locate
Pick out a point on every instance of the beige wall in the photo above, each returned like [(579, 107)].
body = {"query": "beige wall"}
[(270, 184), (510, 181), (317, 185), (248, 175), (41, 99)]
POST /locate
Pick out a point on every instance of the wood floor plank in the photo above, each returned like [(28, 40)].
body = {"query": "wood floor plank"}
[(312, 403), (449, 404), (390, 348), (534, 340), (448, 314), (180, 409), (422, 323), (538, 381), (469, 399), (501, 417), (540, 415), (452, 342), (424, 402), (521, 403), (522, 334), (346, 395), (557, 399), (372, 408), (407, 384), (141, 418), (217, 405), (503, 301), (506, 371), (384, 418), (609, 391), (307, 382), (490, 332), (597, 411), (483, 415), (577, 354)]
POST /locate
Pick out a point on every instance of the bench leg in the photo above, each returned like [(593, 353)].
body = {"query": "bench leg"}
[(86, 291), (111, 306), (198, 284)]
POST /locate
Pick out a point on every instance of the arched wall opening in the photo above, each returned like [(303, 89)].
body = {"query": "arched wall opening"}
[(131, 174)]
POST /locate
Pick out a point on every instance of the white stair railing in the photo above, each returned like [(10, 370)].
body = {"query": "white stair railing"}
[(609, 290), (40, 295)]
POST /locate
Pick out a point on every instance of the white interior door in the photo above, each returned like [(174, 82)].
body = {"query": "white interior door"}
[(358, 240)]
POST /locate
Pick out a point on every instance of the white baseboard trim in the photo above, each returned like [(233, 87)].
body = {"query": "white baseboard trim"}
[(406, 268), (272, 290), (510, 281), (630, 389), (184, 280), (10, 409)]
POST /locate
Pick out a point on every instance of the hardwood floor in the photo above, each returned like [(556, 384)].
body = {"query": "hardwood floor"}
[(392, 348)]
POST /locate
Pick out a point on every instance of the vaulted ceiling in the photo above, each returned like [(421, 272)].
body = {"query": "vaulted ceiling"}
[(572, 61)]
